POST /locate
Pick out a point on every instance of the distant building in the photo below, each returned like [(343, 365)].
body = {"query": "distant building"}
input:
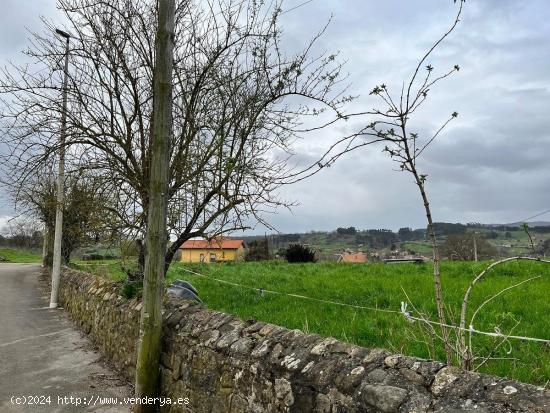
[(216, 250), (356, 257)]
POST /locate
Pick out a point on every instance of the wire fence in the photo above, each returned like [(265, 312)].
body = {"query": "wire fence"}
[(401, 312), (262, 291)]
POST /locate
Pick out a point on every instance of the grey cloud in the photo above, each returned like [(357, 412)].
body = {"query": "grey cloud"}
[(491, 165), (17, 19)]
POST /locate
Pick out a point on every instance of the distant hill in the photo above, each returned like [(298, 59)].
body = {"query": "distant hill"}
[(531, 224), (508, 238)]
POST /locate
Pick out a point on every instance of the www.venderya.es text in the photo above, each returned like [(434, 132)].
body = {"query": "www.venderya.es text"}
[(45, 400)]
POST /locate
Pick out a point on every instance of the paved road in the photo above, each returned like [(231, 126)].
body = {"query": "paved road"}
[(42, 354)]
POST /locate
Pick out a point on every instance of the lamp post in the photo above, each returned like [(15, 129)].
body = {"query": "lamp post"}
[(56, 270)]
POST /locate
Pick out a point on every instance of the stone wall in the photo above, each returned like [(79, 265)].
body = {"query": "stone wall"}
[(224, 364)]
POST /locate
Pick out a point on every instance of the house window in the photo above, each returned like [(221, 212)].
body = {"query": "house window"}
[(212, 257), (202, 258)]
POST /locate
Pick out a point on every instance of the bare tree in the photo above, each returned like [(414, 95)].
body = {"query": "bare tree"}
[(87, 209), (391, 125), (460, 247), (23, 232), (239, 104)]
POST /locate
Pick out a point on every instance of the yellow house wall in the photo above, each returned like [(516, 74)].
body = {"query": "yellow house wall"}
[(194, 255)]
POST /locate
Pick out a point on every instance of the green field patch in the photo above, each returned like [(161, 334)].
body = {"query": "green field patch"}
[(381, 288), (20, 256), (377, 286)]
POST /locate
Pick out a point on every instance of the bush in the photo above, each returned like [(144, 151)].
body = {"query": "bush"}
[(544, 248), (95, 256), (257, 251), (130, 289), (299, 253)]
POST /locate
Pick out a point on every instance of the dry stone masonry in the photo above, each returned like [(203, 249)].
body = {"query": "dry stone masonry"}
[(224, 364)]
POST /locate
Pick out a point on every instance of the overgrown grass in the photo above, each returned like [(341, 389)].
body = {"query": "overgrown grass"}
[(382, 286), (20, 256), (112, 269)]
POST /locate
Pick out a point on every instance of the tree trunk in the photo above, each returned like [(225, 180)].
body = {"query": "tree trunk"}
[(47, 260), (172, 251), (66, 254), (141, 257), (436, 271), (149, 347)]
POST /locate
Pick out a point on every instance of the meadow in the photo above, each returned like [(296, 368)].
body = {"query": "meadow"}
[(524, 311), (20, 256)]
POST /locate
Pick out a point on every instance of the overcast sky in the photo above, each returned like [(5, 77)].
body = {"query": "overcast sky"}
[(492, 165)]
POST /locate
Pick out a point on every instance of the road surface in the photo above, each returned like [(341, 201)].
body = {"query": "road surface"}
[(42, 354)]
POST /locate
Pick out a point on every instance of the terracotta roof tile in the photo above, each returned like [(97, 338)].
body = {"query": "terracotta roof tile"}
[(358, 257), (218, 243)]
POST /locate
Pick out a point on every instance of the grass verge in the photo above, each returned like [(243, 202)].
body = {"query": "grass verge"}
[(20, 256)]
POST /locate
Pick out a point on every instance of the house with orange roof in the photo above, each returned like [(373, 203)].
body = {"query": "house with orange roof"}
[(210, 251), (356, 257)]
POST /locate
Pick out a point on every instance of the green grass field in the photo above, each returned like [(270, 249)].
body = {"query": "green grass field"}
[(418, 247), (382, 286), (20, 256)]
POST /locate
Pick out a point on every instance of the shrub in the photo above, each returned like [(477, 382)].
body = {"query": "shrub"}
[(299, 253), (130, 289), (257, 251), (93, 256)]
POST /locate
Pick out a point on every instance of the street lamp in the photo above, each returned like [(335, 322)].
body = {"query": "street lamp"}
[(56, 270)]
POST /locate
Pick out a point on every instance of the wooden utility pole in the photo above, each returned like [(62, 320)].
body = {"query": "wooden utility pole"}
[(149, 346), (58, 237)]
